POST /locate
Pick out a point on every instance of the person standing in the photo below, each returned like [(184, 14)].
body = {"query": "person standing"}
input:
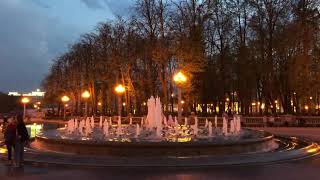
[(10, 138), (4, 125), (21, 140)]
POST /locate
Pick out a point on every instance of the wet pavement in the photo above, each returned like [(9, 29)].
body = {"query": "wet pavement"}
[(307, 169), (312, 133)]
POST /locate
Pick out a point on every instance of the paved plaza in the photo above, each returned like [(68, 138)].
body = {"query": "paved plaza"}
[(298, 169)]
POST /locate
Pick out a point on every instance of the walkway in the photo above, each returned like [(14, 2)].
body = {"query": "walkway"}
[(295, 170), (312, 133)]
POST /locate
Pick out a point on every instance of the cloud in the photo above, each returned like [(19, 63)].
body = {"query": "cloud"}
[(27, 38), (93, 4), (42, 4), (120, 7), (33, 32), (117, 7), (23, 45)]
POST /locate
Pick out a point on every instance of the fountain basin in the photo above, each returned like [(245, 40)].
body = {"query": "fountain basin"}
[(66, 151), (162, 148)]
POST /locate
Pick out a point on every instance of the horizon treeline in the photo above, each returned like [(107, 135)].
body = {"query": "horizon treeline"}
[(249, 52)]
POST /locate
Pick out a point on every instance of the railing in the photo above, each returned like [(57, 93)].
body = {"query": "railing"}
[(259, 121), (286, 120), (313, 121)]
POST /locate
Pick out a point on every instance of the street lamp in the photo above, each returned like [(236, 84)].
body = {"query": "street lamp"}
[(119, 89), (180, 79), (65, 100), (100, 107), (85, 95), (24, 101)]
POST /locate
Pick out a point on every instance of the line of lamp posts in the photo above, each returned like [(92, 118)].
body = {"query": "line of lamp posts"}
[(179, 78)]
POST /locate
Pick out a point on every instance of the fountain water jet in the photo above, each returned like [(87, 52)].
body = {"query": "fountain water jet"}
[(100, 122), (106, 128), (224, 126), (137, 131), (216, 121), (210, 129)]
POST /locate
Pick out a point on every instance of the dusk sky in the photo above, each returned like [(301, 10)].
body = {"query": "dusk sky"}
[(33, 32)]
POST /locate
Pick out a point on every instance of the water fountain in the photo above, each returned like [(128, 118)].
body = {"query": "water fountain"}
[(100, 122), (137, 131), (195, 126), (160, 136), (106, 128), (216, 121), (210, 129), (155, 128)]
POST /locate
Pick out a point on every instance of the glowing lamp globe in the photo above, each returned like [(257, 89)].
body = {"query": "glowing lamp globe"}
[(86, 94), (65, 99), (119, 89), (25, 100), (179, 78)]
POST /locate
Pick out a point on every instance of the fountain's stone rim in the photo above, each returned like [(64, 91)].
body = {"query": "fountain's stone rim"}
[(143, 149), (267, 137), (309, 149)]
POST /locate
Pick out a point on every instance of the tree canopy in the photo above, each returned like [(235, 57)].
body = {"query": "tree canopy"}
[(252, 52)]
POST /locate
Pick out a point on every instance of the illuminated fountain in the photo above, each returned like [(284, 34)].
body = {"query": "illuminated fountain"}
[(160, 140), (161, 136), (155, 128)]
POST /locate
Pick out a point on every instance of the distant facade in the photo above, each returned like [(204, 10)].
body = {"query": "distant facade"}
[(37, 95)]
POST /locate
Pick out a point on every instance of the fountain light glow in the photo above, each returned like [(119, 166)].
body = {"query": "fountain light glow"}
[(34, 129), (312, 150), (3, 150)]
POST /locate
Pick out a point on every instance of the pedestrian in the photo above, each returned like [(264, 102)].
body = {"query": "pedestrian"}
[(265, 121), (229, 112), (21, 140), (4, 124), (10, 138)]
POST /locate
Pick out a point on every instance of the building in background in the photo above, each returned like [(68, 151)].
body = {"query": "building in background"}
[(37, 95), (34, 108)]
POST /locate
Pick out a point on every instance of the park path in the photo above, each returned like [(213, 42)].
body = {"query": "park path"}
[(295, 170), (309, 132)]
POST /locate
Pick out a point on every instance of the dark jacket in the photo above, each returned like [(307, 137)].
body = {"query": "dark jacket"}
[(10, 134), (22, 132)]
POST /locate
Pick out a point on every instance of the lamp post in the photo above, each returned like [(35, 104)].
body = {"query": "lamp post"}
[(100, 108), (180, 79), (65, 100), (85, 95), (24, 101), (119, 89)]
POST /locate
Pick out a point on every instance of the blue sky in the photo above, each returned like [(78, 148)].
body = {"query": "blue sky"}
[(33, 32)]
